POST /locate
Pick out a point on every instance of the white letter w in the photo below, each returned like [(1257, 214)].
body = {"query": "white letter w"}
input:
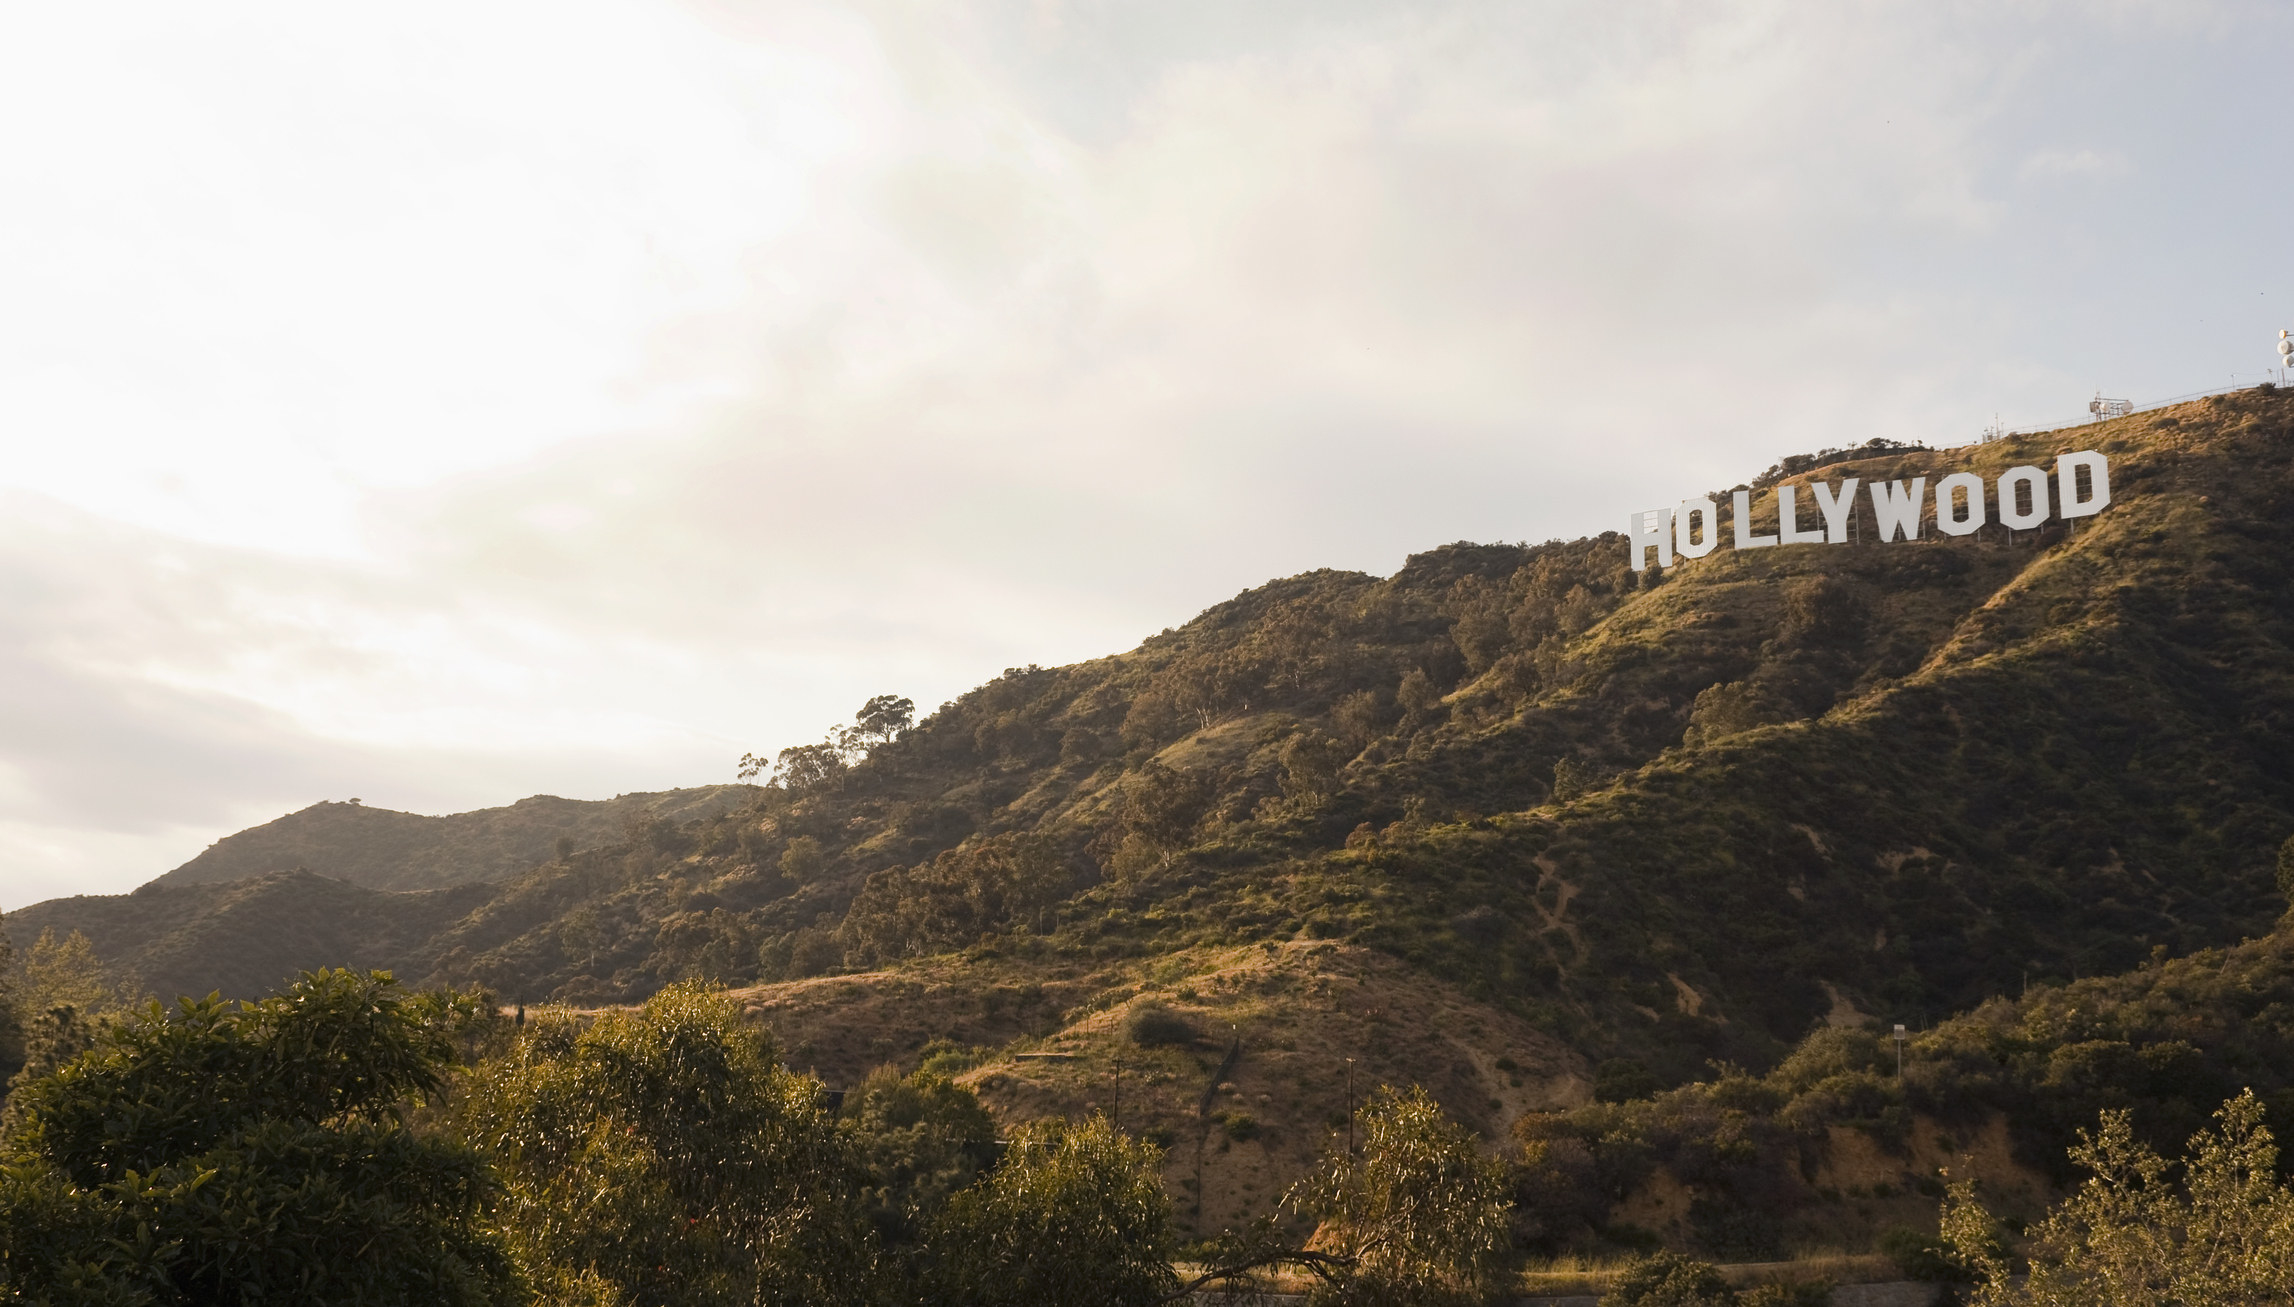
[(1898, 513)]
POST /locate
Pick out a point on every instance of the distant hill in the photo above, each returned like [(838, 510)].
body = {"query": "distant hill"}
[(383, 849), (249, 937)]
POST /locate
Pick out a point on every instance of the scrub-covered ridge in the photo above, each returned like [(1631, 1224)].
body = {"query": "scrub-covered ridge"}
[(1565, 814)]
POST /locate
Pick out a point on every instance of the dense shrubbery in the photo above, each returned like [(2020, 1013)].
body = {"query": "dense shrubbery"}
[(1074, 1214), (254, 1154), (665, 1156), (2164, 1043), (653, 1158), (2134, 1235), (1419, 1218)]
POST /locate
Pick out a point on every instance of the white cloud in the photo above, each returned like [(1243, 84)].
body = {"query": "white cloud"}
[(445, 404), (2047, 164)]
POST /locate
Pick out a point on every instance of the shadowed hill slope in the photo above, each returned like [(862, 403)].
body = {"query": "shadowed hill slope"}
[(383, 849), (250, 937)]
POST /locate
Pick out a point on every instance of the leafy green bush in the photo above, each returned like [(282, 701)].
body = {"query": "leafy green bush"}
[(1419, 1217), (253, 1154), (1152, 1025), (1073, 1214), (2130, 1235), (918, 1138), (667, 1154), (1670, 1280)]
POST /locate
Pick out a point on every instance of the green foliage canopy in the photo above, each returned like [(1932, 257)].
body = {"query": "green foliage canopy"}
[(1419, 1217), (2130, 1237), (1074, 1214), (253, 1154), (918, 1138), (664, 1156)]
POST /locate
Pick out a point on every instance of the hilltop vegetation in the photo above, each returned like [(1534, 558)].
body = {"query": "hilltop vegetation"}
[(1627, 824)]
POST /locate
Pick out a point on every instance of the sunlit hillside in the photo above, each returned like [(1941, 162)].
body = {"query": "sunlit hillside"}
[(1508, 817)]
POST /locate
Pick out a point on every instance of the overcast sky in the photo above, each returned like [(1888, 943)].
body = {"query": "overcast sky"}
[(444, 403)]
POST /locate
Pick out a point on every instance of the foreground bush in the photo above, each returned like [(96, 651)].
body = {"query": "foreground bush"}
[(250, 1154), (918, 1138), (664, 1156), (2131, 1237), (1072, 1215), (1419, 1217)]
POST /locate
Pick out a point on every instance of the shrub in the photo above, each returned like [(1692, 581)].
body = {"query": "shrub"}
[(253, 1154), (1152, 1025), (667, 1152), (1419, 1217), (1670, 1280), (1920, 1256), (1074, 1214)]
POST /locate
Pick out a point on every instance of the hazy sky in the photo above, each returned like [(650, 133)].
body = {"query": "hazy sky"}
[(444, 403)]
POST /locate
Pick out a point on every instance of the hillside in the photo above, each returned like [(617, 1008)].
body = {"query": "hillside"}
[(249, 937), (383, 849), (1687, 818), (1837, 1144), (1507, 817)]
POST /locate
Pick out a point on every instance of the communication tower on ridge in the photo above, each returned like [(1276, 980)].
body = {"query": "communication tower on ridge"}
[(2285, 352), (2109, 408)]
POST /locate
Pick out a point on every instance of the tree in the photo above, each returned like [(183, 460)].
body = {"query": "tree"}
[(250, 1154), (806, 769), (2222, 1238), (810, 768), (1417, 696), (1161, 807), (884, 719), (1419, 1217), (1072, 1215), (49, 1040), (919, 1138), (65, 973), (802, 860), (1310, 767), (666, 1156)]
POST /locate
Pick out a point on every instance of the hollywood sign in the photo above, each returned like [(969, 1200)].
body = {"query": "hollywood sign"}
[(2025, 500)]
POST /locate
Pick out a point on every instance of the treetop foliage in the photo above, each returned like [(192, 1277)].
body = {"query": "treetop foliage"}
[(1073, 1214), (1419, 1216), (2132, 1237), (667, 1154), (256, 1153)]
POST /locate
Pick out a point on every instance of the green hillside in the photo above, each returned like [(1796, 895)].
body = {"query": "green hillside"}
[(1836, 1143), (249, 937), (1686, 818), (1562, 815)]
